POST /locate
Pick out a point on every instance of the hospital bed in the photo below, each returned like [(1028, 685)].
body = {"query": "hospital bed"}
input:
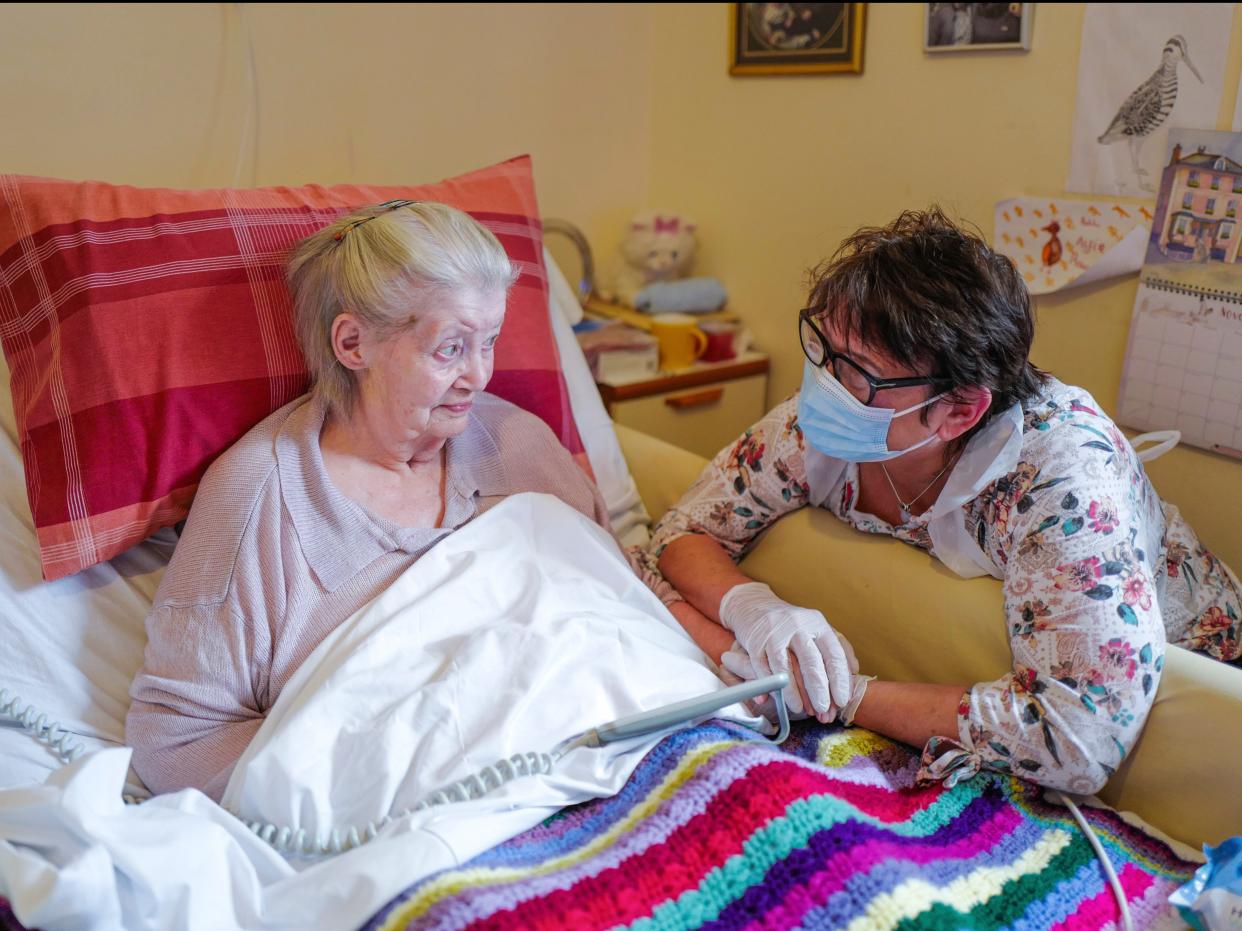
[(1181, 778)]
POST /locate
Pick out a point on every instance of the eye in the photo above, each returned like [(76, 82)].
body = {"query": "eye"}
[(490, 343), (449, 351), (674, 253)]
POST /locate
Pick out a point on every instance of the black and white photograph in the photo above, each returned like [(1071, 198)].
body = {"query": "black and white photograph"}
[(969, 27)]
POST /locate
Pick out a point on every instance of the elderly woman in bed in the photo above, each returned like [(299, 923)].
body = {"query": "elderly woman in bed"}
[(921, 417), (322, 505)]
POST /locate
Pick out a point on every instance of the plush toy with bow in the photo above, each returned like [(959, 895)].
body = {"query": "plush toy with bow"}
[(657, 247)]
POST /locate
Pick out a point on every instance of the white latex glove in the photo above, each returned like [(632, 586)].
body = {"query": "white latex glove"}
[(858, 688), (769, 629)]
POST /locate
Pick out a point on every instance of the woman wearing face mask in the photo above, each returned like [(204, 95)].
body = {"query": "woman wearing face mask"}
[(921, 416)]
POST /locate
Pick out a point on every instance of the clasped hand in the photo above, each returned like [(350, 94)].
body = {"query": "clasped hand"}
[(772, 633)]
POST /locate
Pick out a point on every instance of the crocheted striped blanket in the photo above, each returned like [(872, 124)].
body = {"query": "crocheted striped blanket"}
[(719, 829)]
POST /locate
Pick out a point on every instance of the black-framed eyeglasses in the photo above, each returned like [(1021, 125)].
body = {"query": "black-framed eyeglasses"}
[(856, 379), (385, 207)]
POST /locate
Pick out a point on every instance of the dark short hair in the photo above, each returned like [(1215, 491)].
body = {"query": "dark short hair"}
[(933, 295)]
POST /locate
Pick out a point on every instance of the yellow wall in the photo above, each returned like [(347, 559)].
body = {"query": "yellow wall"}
[(778, 169), (156, 94), (622, 106)]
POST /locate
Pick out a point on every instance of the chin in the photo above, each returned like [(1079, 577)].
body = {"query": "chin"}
[(446, 423)]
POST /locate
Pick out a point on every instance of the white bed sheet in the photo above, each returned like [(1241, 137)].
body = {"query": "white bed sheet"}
[(70, 647), (522, 628)]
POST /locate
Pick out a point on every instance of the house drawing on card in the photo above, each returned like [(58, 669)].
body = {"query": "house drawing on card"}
[(1196, 213)]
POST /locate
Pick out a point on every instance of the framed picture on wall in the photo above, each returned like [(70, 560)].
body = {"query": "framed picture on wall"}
[(973, 27), (796, 38)]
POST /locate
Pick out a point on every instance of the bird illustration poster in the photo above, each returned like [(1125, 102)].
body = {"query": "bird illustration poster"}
[(1142, 69), (1060, 243)]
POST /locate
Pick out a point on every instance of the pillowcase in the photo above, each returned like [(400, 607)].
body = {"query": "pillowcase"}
[(146, 330), (630, 521)]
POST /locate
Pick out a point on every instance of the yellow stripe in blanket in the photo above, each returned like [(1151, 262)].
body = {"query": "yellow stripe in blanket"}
[(457, 880), (840, 748)]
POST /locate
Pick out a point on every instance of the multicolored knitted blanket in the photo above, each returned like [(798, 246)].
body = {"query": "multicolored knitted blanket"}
[(719, 829)]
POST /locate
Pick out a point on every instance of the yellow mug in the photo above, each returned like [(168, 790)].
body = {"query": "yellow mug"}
[(681, 341)]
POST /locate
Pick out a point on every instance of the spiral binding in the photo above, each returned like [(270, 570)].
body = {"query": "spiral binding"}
[(1160, 284)]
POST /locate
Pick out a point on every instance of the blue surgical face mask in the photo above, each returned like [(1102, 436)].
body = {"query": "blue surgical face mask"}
[(839, 425)]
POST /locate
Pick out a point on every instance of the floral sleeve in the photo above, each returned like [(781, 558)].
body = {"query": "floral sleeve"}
[(1076, 536), (744, 490)]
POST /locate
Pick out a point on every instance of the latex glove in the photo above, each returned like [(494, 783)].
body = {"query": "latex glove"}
[(769, 629), (858, 688)]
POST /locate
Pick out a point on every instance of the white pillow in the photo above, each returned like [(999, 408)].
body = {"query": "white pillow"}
[(71, 646), (630, 520)]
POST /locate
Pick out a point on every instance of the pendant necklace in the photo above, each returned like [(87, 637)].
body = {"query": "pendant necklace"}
[(905, 506)]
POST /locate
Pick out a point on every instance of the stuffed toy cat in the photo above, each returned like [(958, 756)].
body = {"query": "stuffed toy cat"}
[(657, 247)]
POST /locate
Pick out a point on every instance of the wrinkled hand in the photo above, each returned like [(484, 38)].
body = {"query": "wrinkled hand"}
[(773, 634), (736, 666)]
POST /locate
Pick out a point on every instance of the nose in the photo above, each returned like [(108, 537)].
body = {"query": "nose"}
[(477, 371)]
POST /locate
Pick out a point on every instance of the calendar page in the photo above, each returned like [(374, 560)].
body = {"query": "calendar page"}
[(1183, 367)]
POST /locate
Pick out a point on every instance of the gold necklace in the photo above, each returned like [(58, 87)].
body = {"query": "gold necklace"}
[(906, 516)]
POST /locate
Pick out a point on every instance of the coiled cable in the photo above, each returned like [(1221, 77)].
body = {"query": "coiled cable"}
[(60, 741)]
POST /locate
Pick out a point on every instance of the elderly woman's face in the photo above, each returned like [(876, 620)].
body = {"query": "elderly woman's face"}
[(423, 379)]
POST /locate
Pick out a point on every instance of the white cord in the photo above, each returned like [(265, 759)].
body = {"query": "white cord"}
[(1109, 873), (284, 838), (301, 844), (252, 109), (298, 843), (40, 727)]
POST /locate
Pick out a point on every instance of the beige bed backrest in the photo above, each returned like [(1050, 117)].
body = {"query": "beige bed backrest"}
[(8, 420)]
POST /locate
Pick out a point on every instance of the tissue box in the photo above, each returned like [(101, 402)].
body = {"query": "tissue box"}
[(619, 353), (614, 366)]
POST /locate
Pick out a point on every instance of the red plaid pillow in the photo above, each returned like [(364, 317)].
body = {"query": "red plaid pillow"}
[(148, 329)]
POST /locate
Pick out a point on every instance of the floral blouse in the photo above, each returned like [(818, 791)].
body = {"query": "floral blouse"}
[(1098, 575)]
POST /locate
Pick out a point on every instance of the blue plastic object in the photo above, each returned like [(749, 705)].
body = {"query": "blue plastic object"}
[(687, 296), (1212, 900)]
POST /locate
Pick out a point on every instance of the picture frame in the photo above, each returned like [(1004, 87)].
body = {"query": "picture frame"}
[(977, 27), (796, 38)]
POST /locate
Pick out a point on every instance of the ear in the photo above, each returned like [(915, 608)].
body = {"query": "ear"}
[(961, 415), (348, 336)]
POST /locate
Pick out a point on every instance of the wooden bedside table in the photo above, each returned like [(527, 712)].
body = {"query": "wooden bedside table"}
[(702, 409)]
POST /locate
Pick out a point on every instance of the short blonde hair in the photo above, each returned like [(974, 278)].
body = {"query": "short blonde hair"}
[(383, 270)]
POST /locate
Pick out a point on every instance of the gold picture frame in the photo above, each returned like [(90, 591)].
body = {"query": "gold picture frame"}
[(796, 38)]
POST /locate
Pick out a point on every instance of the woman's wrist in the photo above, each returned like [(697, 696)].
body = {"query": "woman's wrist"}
[(709, 636), (700, 568)]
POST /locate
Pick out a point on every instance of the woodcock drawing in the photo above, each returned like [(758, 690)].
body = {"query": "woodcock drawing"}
[(1146, 109)]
